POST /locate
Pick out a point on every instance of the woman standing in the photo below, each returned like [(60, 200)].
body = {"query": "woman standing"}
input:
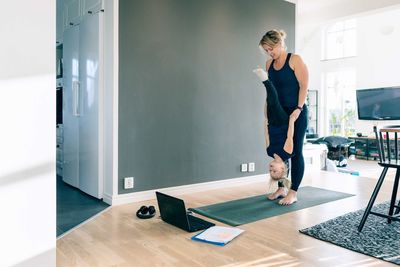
[(289, 75)]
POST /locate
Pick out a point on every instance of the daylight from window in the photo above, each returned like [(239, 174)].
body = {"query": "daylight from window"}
[(340, 40), (341, 102)]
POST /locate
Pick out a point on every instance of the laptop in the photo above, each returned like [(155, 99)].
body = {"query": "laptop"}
[(173, 211)]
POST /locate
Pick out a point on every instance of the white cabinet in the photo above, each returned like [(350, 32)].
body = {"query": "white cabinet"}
[(59, 22), (315, 155), (82, 96), (91, 6), (76, 10), (72, 13)]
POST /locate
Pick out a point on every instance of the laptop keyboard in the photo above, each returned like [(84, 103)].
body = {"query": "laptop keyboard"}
[(197, 223)]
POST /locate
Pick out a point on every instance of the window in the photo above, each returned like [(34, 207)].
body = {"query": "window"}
[(339, 40), (340, 102)]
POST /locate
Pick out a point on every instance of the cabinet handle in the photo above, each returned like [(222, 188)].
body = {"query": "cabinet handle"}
[(75, 98), (78, 99)]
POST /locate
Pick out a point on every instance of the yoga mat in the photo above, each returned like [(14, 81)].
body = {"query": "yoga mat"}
[(251, 209), (378, 238)]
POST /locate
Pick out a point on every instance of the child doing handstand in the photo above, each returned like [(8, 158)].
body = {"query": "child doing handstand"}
[(279, 131)]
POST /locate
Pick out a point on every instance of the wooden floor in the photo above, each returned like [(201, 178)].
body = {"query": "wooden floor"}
[(117, 238)]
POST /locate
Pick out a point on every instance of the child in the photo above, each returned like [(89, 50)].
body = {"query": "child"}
[(279, 132)]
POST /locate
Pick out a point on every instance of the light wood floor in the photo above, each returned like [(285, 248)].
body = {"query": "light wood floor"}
[(117, 238)]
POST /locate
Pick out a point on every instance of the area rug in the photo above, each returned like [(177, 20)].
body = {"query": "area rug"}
[(377, 239), (251, 209)]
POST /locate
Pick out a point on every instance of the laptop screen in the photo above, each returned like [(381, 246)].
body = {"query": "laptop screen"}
[(172, 210)]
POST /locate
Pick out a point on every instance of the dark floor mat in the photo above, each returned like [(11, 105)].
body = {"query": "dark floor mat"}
[(255, 208), (74, 207)]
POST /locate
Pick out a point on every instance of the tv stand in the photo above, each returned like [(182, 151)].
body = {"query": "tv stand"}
[(364, 147)]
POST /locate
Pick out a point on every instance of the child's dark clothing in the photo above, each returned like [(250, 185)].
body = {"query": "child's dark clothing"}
[(278, 123)]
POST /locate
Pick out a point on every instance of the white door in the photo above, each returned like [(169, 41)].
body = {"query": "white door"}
[(70, 95)]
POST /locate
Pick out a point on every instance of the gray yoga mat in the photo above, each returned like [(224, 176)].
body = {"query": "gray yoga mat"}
[(251, 209)]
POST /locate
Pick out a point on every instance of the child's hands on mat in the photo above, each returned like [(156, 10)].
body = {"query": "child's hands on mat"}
[(262, 74)]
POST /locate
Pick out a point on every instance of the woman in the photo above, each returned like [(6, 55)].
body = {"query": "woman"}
[(289, 75)]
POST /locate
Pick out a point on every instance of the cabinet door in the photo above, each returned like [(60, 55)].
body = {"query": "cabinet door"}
[(91, 6), (89, 119), (72, 13), (70, 119)]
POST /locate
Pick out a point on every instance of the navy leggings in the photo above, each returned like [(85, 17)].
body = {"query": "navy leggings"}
[(276, 114), (297, 161)]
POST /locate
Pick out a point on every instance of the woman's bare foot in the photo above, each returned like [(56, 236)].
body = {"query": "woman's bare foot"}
[(280, 192), (290, 198)]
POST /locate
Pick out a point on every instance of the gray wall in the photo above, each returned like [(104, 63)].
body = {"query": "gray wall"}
[(190, 108)]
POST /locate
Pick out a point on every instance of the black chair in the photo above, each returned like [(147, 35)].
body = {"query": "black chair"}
[(388, 149)]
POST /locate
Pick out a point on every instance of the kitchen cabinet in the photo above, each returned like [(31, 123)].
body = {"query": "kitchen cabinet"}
[(82, 113), (75, 10), (72, 13), (91, 6)]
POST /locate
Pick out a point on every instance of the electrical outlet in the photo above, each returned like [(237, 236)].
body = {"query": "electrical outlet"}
[(129, 182), (252, 167), (243, 167)]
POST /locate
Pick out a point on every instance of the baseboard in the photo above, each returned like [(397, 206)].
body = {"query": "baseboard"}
[(184, 189)]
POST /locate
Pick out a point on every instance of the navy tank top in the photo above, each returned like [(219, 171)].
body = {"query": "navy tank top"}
[(286, 84)]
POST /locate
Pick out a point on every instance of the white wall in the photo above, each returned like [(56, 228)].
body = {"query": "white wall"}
[(111, 100), (377, 58), (27, 137)]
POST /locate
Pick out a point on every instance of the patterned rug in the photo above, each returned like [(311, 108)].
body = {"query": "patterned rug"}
[(377, 239)]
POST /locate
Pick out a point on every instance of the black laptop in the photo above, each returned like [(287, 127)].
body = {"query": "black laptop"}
[(173, 211)]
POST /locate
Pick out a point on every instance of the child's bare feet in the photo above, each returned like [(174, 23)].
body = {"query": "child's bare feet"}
[(290, 198), (280, 192)]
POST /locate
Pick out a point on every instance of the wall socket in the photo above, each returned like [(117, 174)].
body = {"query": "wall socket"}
[(129, 182), (252, 166), (243, 167)]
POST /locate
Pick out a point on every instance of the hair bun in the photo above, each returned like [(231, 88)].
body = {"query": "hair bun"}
[(283, 34)]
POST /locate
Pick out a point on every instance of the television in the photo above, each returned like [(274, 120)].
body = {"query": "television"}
[(378, 103)]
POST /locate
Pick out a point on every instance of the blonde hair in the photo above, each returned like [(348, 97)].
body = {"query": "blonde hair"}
[(273, 38), (283, 179)]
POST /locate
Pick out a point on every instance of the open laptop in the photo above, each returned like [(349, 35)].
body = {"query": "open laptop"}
[(173, 211)]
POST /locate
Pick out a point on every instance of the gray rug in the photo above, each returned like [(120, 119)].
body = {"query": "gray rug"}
[(377, 239)]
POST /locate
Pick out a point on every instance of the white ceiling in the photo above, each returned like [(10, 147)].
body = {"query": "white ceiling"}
[(312, 10)]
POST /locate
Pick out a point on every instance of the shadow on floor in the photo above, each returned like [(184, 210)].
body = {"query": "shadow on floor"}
[(74, 206)]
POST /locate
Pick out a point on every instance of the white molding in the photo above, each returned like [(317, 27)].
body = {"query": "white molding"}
[(184, 189), (115, 98)]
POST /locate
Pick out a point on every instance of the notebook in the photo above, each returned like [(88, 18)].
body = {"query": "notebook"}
[(218, 235), (173, 211)]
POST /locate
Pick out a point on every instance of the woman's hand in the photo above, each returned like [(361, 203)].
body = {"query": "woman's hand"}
[(295, 114)]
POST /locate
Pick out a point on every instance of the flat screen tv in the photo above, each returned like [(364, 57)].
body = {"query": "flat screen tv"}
[(379, 103)]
